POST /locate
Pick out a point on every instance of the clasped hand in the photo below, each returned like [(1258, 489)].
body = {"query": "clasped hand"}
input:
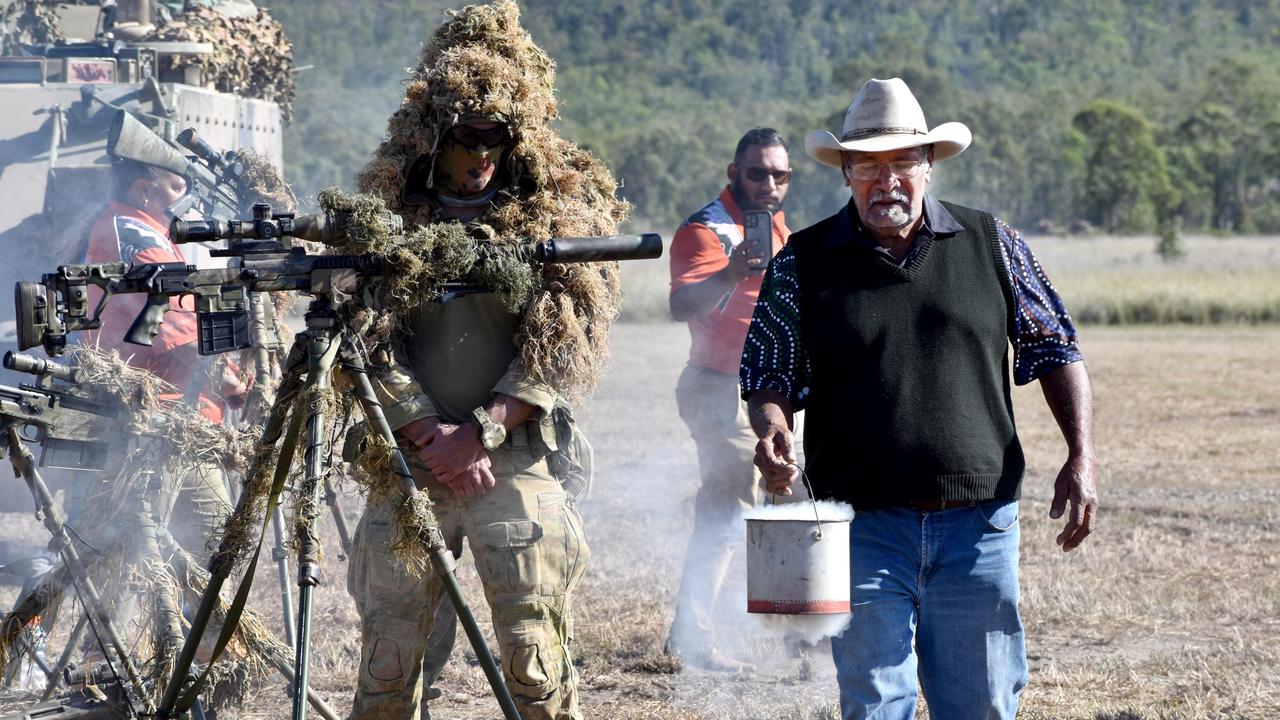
[(453, 453)]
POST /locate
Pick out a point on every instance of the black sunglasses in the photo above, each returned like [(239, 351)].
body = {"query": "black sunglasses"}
[(758, 174), (468, 136)]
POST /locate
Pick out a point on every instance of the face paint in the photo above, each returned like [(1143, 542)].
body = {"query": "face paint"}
[(463, 170)]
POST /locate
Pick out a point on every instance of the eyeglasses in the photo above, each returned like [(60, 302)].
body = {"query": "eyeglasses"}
[(900, 169), (468, 136), (758, 174)]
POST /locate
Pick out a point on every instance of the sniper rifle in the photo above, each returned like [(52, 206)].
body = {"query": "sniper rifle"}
[(69, 426), (217, 183), (268, 261)]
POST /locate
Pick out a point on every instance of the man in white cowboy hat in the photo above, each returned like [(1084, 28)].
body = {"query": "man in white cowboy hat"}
[(889, 323)]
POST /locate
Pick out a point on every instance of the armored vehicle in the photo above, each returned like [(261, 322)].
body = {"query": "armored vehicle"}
[(57, 103)]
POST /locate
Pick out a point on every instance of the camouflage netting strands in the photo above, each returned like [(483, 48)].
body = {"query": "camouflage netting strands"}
[(193, 439), (263, 182), (236, 540), (481, 65), (107, 375), (427, 257), (30, 23), (43, 601), (251, 56), (253, 647), (416, 529)]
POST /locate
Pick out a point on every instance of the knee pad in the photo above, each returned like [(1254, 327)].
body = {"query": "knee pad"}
[(388, 655), (533, 659)]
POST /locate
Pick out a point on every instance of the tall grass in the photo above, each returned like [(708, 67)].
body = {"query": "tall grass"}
[(1120, 281), (1103, 280)]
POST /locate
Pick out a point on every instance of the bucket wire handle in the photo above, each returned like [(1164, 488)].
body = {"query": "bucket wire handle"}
[(804, 477)]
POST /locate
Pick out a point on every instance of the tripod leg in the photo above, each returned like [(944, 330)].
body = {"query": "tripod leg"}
[(183, 564), (280, 553), (262, 332), (24, 465), (168, 615), (226, 557), (322, 347), (339, 516), (65, 658), (442, 562)]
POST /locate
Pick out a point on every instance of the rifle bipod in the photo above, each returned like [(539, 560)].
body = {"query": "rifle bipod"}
[(315, 351), (95, 609), (128, 696)]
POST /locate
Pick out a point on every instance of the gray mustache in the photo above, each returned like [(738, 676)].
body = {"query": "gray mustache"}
[(893, 195)]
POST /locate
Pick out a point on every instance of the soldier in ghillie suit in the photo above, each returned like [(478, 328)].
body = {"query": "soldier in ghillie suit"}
[(476, 386)]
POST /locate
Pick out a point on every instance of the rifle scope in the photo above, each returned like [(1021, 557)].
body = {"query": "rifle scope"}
[(32, 365), (263, 226), (192, 141)]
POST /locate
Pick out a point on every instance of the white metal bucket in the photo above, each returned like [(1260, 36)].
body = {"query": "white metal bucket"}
[(799, 566)]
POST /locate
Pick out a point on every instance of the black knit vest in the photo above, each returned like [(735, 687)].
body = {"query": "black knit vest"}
[(909, 398)]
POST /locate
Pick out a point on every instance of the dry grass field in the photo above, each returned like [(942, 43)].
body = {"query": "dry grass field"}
[(1171, 610), (1105, 280)]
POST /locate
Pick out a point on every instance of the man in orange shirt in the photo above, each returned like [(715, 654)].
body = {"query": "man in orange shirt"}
[(714, 289), (134, 228)]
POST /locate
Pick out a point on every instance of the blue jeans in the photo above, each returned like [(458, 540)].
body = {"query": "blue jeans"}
[(948, 581)]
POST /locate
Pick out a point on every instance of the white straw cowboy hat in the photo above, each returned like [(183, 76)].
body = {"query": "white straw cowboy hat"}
[(885, 116)]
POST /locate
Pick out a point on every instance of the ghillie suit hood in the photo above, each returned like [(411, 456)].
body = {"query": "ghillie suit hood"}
[(481, 65)]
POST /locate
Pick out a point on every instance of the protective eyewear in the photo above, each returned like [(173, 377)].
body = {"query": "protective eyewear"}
[(900, 169), (468, 136), (758, 174)]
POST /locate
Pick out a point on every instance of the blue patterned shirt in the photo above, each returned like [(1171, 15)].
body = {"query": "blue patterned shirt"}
[(1042, 334)]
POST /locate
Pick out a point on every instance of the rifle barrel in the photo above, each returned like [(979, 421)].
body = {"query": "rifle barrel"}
[(600, 249)]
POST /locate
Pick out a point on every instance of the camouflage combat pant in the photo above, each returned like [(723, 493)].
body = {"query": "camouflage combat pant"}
[(529, 551)]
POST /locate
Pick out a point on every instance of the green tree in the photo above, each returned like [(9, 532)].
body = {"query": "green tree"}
[(1127, 185), (662, 90)]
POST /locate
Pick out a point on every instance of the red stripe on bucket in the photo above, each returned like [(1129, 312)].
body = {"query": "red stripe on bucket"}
[(811, 607)]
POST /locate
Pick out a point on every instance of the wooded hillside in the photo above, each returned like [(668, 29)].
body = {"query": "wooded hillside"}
[(1131, 114)]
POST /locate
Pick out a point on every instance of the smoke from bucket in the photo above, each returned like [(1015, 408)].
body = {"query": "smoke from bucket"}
[(798, 567), (827, 511)]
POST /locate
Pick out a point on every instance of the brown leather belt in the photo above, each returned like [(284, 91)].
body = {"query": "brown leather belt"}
[(937, 504)]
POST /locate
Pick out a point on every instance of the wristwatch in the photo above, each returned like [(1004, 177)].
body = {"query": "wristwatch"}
[(492, 432)]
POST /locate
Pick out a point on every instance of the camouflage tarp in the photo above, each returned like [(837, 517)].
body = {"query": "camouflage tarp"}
[(251, 54)]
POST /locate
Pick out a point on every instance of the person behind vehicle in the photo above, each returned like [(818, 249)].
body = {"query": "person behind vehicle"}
[(474, 389), (890, 323), (714, 285), (134, 228)]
